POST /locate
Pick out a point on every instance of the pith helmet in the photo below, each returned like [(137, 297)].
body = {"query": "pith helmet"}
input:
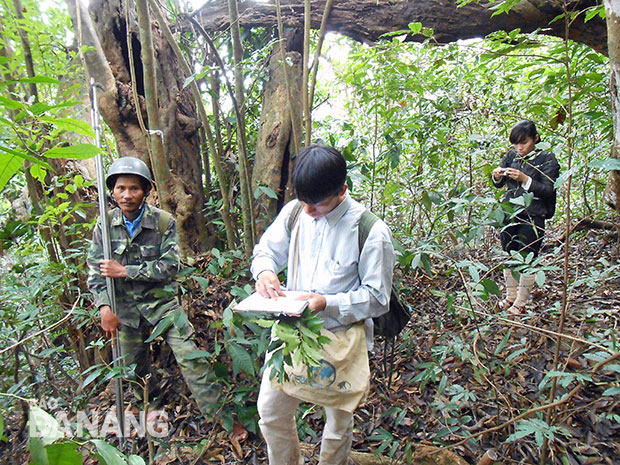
[(128, 165)]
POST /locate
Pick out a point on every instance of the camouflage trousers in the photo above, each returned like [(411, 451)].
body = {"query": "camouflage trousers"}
[(196, 371)]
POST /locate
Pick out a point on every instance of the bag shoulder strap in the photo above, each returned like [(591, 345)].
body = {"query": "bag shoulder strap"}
[(367, 220), (162, 222), (292, 219)]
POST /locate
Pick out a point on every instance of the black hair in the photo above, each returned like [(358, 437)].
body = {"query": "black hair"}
[(319, 172), (144, 183), (522, 130)]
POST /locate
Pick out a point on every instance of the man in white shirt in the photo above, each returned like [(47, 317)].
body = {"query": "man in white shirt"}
[(344, 286)]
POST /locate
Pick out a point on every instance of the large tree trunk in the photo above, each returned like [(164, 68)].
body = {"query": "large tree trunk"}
[(109, 63), (275, 144), (612, 8), (367, 20)]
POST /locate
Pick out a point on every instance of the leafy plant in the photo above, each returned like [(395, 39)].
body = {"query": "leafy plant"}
[(48, 446), (538, 428), (222, 262), (294, 341)]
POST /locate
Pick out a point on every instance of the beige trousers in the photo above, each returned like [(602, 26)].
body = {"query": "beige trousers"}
[(277, 423)]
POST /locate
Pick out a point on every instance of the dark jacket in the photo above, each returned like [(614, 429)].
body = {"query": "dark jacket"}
[(544, 169)]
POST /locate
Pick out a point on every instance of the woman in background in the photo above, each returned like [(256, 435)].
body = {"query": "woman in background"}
[(525, 169)]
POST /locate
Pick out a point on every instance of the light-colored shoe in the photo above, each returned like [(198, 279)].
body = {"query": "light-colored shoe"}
[(526, 283), (516, 310), (511, 290)]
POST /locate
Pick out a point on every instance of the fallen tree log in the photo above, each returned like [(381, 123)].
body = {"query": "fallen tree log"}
[(368, 20), (588, 223)]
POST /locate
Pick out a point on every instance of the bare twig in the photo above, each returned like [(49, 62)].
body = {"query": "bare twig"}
[(14, 396), (287, 78), (149, 438), (305, 69), (495, 388), (569, 141), (315, 63), (45, 330), (134, 83), (212, 437), (546, 332)]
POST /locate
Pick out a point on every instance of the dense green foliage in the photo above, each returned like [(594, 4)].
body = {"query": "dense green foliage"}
[(426, 124)]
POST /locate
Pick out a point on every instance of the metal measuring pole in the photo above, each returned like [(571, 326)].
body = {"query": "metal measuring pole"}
[(107, 255)]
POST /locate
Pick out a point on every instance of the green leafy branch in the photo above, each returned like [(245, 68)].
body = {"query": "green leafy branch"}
[(539, 428), (294, 340)]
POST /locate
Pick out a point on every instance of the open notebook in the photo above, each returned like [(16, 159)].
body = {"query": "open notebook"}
[(287, 304)]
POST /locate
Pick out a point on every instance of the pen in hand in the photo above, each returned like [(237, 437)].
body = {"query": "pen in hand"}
[(274, 292), (268, 285)]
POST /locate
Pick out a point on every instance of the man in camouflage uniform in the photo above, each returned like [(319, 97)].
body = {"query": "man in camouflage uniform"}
[(145, 260)]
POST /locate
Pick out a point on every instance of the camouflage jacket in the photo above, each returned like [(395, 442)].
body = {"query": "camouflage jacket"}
[(152, 261)]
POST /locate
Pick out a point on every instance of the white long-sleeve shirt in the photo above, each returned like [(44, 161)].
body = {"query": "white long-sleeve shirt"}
[(356, 286)]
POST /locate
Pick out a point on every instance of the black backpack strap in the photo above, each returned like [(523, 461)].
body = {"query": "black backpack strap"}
[(367, 220), (292, 219), (390, 324)]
